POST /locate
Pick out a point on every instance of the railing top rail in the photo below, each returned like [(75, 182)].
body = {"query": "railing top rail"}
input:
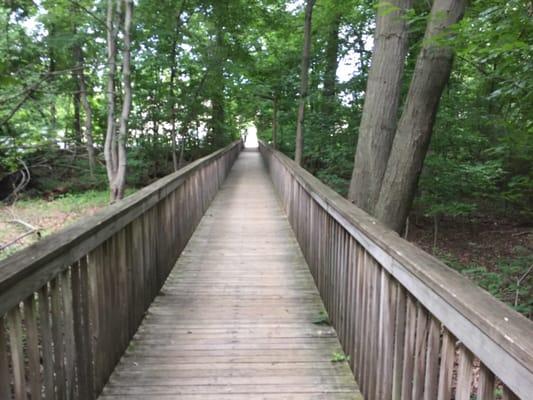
[(46, 258), (493, 331)]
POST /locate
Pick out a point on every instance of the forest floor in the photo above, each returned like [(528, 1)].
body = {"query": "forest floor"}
[(45, 216), (496, 254)]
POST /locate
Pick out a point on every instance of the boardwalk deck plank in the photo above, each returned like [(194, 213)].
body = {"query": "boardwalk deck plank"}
[(235, 317)]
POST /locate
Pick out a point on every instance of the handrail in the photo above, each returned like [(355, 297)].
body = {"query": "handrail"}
[(55, 252), (448, 306), (70, 303)]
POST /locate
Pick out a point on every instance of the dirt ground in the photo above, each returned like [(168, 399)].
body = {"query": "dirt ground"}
[(41, 217), (482, 242)]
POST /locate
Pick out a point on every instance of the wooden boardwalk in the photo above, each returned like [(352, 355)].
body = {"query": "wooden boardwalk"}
[(235, 317)]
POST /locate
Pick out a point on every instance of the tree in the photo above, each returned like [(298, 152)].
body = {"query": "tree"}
[(330, 73), (304, 85), (411, 141), (115, 145), (217, 58), (83, 97), (380, 111)]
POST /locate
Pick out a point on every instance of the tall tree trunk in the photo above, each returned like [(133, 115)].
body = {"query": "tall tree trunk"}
[(76, 123), (275, 122), (218, 114), (380, 110), (173, 72), (330, 73), (304, 82), (88, 123), (119, 182), (217, 124), (77, 53), (173, 112), (189, 117), (115, 143), (109, 153), (51, 70), (432, 71)]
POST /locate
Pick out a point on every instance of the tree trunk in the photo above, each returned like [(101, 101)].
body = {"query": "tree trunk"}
[(218, 115), (217, 131), (115, 144), (88, 124), (274, 122), (76, 123), (304, 82), (82, 90), (380, 110), (330, 73), (432, 71), (173, 72), (109, 153), (119, 182), (173, 105)]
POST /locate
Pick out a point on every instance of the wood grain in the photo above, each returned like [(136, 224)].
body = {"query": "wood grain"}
[(494, 333), (235, 316)]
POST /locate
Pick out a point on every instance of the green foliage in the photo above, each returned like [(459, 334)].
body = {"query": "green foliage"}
[(322, 319), (69, 202), (205, 70), (339, 357), (511, 280)]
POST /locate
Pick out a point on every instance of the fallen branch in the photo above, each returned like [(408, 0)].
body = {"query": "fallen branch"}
[(24, 223), (518, 282), (522, 233), (4, 246)]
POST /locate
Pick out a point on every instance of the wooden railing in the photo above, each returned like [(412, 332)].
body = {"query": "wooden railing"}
[(412, 327), (70, 304)]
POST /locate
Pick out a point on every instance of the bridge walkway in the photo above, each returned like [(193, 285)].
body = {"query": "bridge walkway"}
[(239, 316)]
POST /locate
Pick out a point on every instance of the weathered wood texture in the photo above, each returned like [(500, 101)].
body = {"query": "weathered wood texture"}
[(70, 304), (234, 319), (414, 329)]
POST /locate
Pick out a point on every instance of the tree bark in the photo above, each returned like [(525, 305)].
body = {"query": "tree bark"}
[(275, 122), (173, 69), (76, 123), (115, 142), (432, 71), (217, 125), (88, 123), (380, 110), (304, 82), (173, 72), (218, 115), (330, 73), (112, 31), (119, 183), (84, 100)]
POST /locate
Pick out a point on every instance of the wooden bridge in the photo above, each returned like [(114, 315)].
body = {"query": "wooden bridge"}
[(202, 287)]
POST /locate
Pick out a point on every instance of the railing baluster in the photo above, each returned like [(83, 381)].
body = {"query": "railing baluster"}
[(399, 313), (485, 389), (420, 352), (57, 336), (70, 350), (399, 342), (5, 377), (47, 340), (447, 361), (432, 360), (32, 344), (84, 290), (464, 374), (14, 324)]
